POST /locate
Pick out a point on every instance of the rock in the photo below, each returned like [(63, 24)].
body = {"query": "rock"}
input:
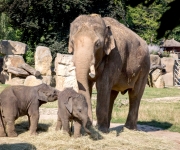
[(64, 82), (47, 79), (12, 61), (64, 65), (15, 81), (4, 77), (8, 47), (168, 79), (32, 81), (155, 60), (43, 60), (159, 82), (1, 64), (169, 62)]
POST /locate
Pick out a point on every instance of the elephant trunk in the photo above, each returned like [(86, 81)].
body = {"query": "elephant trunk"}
[(84, 126), (82, 65)]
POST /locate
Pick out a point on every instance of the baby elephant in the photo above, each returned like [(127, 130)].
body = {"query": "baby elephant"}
[(72, 106), (16, 101)]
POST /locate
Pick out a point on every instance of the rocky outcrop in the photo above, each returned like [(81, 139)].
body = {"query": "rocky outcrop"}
[(65, 72), (43, 60), (8, 47)]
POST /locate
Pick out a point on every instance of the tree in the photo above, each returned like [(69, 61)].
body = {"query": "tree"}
[(47, 22)]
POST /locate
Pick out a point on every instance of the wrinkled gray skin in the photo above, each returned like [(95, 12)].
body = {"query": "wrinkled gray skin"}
[(113, 56), (72, 106), (16, 101)]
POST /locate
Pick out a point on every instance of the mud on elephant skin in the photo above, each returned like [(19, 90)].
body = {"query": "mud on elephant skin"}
[(113, 56), (16, 101), (72, 106)]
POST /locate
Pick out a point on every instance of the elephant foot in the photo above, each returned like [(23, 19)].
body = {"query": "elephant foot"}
[(33, 133), (130, 126), (103, 129), (2, 134), (12, 134), (77, 135)]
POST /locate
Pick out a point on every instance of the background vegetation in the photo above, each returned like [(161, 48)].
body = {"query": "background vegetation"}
[(46, 22)]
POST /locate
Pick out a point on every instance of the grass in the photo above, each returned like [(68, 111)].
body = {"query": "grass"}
[(48, 138), (164, 114)]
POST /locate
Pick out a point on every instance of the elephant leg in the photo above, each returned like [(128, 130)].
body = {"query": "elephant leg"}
[(9, 117), (113, 96), (59, 124), (34, 118), (2, 127), (103, 106), (134, 102), (77, 128), (10, 128), (65, 124)]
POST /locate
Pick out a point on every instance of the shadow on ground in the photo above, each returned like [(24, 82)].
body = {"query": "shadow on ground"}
[(17, 146), (146, 126), (24, 127), (157, 124)]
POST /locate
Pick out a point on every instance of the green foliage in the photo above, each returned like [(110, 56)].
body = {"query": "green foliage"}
[(29, 57), (6, 31), (47, 22)]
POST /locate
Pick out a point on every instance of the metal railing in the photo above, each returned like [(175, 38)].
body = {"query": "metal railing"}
[(177, 72)]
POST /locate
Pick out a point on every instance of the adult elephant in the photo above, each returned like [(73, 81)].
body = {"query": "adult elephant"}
[(113, 56)]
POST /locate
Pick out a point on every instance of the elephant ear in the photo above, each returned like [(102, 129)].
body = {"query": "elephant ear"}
[(42, 95), (109, 41), (68, 104)]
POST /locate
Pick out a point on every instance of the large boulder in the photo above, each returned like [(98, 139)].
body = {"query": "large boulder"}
[(169, 62), (169, 79), (43, 60), (8, 47), (15, 81), (32, 81), (65, 82), (155, 78), (155, 60), (64, 65), (12, 61)]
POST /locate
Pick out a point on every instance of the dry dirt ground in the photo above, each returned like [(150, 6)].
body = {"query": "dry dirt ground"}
[(51, 113)]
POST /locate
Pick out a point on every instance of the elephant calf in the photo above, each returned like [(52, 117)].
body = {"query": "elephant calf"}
[(72, 106), (16, 101)]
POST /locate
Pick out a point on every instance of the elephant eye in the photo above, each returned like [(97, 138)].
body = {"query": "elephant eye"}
[(97, 43), (79, 110)]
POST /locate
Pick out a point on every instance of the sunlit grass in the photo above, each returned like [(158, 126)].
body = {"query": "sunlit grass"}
[(48, 138)]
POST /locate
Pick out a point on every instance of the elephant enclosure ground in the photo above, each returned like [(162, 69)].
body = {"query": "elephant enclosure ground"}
[(158, 117)]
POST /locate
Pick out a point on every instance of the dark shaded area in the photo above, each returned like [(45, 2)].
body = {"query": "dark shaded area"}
[(169, 20), (154, 123), (24, 127), (17, 146)]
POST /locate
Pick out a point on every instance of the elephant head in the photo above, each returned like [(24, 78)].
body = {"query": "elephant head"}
[(47, 93), (90, 40), (77, 106)]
